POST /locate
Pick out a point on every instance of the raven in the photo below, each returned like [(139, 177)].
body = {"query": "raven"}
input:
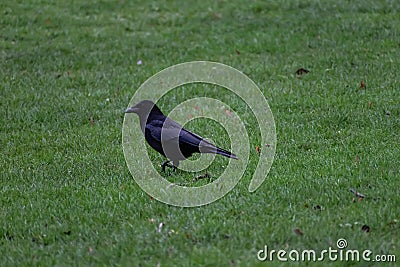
[(169, 138)]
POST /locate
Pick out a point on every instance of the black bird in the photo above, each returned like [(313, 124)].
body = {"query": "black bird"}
[(169, 138)]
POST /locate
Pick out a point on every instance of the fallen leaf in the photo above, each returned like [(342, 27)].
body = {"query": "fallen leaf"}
[(258, 149), (91, 120), (217, 15), (370, 104), (365, 228), (90, 250), (358, 194), (160, 226), (225, 236), (393, 223), (171, 232), (302, 71), (317, 207), (297, 231), (237, 52), (346, 225), (67, 232), (357, 159), (206, 175), (362, 85)]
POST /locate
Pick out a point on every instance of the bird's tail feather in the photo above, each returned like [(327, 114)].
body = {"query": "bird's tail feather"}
[(225, 153), (207, 147)]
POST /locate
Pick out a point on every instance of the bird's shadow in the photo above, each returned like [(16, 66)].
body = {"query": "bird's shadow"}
[(180, 177), (188, 179)]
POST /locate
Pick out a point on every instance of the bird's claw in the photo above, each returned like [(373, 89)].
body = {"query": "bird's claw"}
[(166, 164)]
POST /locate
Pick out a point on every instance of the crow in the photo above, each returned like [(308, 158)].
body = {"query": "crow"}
[(169, 138)]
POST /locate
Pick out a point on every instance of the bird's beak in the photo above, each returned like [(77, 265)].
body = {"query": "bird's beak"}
[(131, 110)]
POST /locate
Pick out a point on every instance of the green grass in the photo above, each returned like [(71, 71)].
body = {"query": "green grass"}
[(67, 197)]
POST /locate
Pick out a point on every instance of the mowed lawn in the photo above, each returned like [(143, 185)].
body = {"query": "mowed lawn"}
[(68, 70)]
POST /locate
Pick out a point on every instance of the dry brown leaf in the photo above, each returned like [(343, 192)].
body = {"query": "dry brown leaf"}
[(302, 71), (362, 85), (297, 231)]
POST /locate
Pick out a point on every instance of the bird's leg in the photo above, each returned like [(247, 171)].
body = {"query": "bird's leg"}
[(165, 164), (175, 164)]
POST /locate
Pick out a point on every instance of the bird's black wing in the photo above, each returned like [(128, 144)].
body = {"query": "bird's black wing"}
[(165, 126), (171, 135), (172, 131), (169, 138), (203, 146), (188, 138), (152, 133)]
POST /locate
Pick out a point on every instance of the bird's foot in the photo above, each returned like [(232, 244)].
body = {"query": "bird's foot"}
[(166, 164)]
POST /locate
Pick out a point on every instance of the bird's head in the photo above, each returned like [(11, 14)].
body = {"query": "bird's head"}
[(144, 108)]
